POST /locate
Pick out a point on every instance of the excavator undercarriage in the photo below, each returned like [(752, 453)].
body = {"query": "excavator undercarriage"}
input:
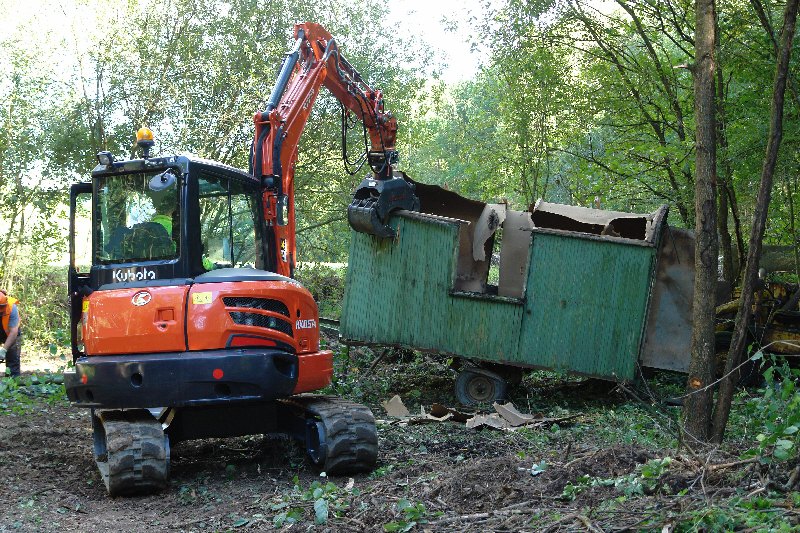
[(132, 446)]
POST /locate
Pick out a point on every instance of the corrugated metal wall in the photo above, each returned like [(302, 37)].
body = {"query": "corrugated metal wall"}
[(586, 304), (398, 293), (584, 310)]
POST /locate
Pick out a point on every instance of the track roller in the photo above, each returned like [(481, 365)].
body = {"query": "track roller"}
[(341, 437), (131, 451)]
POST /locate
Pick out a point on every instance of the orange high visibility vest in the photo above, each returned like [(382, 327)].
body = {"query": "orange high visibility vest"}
[(7, 314)]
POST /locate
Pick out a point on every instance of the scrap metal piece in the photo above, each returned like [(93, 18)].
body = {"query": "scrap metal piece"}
[(395, 407), (515, 254), (669, 326)]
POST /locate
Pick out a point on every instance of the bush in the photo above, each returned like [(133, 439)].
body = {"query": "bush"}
[(42, 293), (326, 284)]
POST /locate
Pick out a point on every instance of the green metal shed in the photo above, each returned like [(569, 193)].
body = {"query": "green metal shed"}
[(574, 291)]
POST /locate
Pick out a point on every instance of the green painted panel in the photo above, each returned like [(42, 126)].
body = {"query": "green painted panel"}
[(584, 311), (586, 304), (398, 293)]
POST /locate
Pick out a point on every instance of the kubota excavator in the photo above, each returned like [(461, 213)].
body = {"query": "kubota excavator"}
[(188, 323)]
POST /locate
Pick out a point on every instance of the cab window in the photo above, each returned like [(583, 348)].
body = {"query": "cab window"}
[(228, 230), (137, 218)]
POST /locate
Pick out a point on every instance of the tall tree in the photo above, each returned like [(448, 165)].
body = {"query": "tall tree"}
[(697, 408), (737, 348)]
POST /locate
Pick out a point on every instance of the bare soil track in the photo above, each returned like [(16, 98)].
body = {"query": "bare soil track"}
[(454, 478)]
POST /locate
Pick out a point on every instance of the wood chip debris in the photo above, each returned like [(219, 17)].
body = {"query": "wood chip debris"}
[(506, 416)]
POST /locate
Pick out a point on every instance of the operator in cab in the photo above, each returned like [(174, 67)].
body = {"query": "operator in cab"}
[(10, 342)]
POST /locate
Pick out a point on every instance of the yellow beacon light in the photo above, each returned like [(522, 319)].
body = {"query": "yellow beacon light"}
[(144, 139), (144, 134)]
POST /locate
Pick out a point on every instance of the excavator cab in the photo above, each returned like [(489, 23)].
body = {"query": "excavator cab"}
[(159, 223)]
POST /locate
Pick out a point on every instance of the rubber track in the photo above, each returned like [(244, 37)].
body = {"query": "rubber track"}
[(136, 458), (350, 433)]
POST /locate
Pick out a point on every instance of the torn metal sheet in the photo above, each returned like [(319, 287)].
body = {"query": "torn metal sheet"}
[(596, 221), (493, 421), (509, 418), (492, 218), (438, 410), (515, 254), (512, 415), (669, 326), (506, 416)]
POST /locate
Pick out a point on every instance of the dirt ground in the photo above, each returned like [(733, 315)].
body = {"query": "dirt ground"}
[(600, 472)]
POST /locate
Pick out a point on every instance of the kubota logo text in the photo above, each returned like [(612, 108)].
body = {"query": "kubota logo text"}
[(305, 324), (141, 298), (131, 274)]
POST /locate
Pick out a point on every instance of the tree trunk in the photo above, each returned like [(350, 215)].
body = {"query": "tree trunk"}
[(723, 407), (725, 243), (737, 229), (725, 179), (697, 408), (793, 227)]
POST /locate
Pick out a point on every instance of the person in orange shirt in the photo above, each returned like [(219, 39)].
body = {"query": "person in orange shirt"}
[(9, 334)]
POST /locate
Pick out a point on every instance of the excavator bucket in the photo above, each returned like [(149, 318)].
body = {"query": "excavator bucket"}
[(374, 200)]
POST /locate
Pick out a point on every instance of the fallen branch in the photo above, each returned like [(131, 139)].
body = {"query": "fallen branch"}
[(513, 509), (792, 481), (723, 466), (561, 520), (376, 361), (582, 457), (42, 491), (356, 521), (588, 524)]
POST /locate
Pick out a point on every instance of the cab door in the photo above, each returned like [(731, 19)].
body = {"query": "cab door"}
[(80, 204)]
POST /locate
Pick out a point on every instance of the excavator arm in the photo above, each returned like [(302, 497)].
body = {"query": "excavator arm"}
[(314, 61)]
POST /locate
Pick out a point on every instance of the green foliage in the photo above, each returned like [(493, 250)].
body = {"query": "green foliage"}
[(42, 292), (411, 514), (644, 480), (326, 284), (763, 513), (189, 495), (18, 395), (777, 411), (328, 499)]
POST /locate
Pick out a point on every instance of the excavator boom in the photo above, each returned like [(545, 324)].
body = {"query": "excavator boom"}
[(315, 60)]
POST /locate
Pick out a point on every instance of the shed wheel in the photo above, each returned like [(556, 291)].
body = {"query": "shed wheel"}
[(479, 387)]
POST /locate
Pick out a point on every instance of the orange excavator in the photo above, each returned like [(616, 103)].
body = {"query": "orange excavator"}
[(189, 324)]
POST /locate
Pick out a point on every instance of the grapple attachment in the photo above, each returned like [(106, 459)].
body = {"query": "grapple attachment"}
[(373, 202)]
